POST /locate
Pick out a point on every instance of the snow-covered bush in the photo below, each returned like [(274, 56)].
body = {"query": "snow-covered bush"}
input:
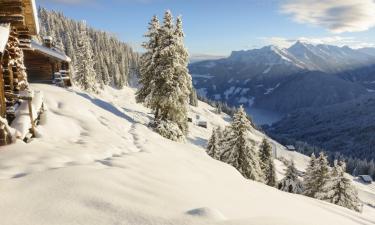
[(168, 129)]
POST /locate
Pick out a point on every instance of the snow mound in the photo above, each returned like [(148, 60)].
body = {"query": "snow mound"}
[(207, 213)]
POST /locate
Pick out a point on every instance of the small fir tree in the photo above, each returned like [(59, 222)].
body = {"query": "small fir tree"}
[(266, 163), (240, 151), (322, 176), (213, 148), (340, 189), (291, 183), (309, 179), (193, 98)]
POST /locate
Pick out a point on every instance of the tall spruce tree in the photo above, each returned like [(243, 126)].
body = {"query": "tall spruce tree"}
[(340, 189), (147, 64), (85, 73), (172, 85), (240, 151), (291, 183), (266, 163), (309, 179)]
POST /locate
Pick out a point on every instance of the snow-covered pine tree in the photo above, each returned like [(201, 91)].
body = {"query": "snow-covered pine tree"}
[(147, 64), (193, 98), (266, 163), (340, 189), (309, 179), (238, 149), (322, 176), (169, 97), (225, 143), (85, 73), (213, 145), (219, 109), (291, 183)]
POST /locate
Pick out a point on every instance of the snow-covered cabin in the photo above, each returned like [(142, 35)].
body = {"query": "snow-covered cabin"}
[(46, 63), (290, 147), (18, 23)]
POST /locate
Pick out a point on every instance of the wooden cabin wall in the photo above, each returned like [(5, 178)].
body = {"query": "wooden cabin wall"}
[(39, 67)]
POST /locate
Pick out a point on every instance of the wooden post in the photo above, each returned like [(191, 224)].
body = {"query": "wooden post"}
[(31, 117)]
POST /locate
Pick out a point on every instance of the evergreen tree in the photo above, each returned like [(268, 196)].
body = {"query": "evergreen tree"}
[(291, 183), (239, 151), (193, 98), (213, 148), (322, 176), (266, 163), (340, 189), (85, 76), (309, 180), (169, 97)]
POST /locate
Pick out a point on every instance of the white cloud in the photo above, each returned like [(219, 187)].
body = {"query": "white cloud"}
[(335, 15), (331, 40)]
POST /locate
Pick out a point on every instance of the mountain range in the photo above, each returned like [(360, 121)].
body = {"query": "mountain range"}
[(321, 94), (282, 80)]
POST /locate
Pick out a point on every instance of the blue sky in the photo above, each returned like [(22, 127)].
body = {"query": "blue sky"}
[(217, 27)]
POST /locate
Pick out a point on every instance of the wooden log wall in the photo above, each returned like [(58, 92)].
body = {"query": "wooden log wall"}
[(13, 77), (14, 72), (39, 67)]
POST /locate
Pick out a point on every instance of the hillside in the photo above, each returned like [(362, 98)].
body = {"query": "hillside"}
[(99, 164), (346, 128)]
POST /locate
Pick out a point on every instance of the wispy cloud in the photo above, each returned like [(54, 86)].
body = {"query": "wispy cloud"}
[(331, 40), (335, 15)]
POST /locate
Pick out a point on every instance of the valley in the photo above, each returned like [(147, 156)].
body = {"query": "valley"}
[(319, 94)]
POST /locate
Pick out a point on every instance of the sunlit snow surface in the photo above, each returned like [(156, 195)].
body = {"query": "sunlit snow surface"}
[(96, 162)]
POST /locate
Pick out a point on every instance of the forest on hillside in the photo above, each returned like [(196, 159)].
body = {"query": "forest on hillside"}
[(114, 62)]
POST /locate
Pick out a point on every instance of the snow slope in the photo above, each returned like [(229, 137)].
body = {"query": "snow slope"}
[(95, 162)]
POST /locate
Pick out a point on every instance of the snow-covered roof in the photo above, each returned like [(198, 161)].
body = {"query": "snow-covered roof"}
[(4, 35), (50, 51), (290, 147)]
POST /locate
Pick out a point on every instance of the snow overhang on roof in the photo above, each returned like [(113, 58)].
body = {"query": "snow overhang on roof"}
[(31, 17), (4, 35), (51, 52)]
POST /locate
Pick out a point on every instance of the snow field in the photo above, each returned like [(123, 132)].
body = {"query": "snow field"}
[(95, 162)]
